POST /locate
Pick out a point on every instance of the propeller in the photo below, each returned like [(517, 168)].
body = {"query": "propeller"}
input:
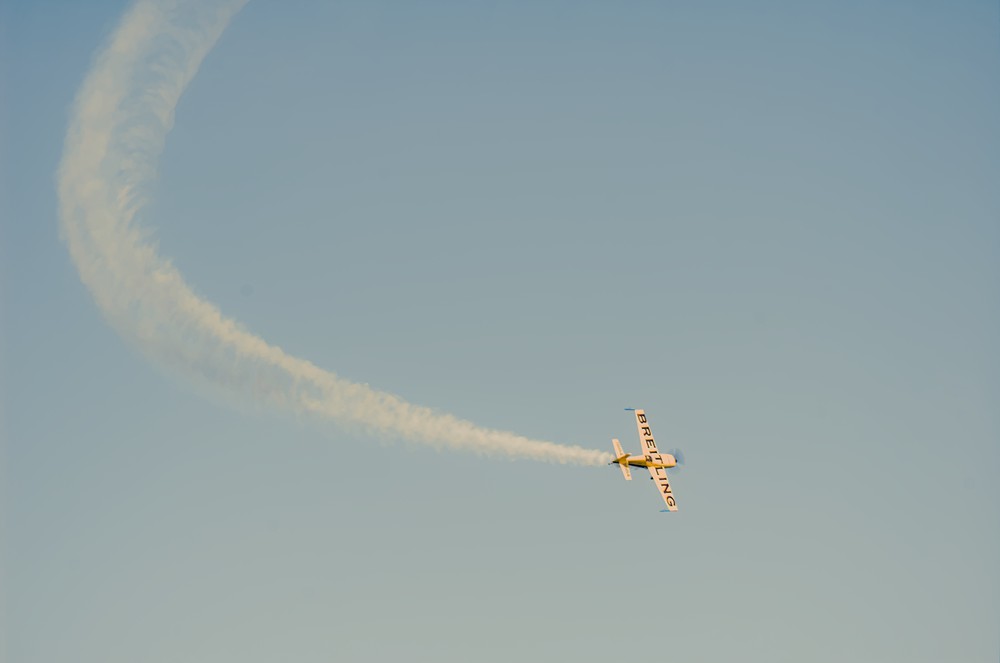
[(678, 455)]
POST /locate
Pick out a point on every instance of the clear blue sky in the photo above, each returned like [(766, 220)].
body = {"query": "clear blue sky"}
[(773, 227)]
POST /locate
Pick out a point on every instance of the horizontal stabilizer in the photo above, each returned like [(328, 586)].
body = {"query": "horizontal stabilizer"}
[(622, 459)]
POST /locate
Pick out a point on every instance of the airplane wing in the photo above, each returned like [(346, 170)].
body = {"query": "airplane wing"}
[(646, 442), (658, 474)]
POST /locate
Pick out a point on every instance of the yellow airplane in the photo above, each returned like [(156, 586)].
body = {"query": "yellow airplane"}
[(651, 459)]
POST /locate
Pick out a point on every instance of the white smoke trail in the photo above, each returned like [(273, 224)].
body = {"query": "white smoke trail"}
[(118, 125)]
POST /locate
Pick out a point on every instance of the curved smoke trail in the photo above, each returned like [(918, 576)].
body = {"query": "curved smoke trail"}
[(119, 121)]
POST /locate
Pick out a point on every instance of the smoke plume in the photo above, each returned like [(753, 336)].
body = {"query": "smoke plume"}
[(119, 122)]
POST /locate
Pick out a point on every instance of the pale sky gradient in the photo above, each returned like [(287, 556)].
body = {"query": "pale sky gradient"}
[(774, 228)]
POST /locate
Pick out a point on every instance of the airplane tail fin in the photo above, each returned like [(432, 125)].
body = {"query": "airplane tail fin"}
[(622, 459)]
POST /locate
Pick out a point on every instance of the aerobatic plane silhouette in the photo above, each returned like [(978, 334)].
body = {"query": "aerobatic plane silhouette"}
[(654, 461)]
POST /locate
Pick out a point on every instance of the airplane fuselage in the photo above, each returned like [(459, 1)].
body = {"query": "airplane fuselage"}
[(647, 461)]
